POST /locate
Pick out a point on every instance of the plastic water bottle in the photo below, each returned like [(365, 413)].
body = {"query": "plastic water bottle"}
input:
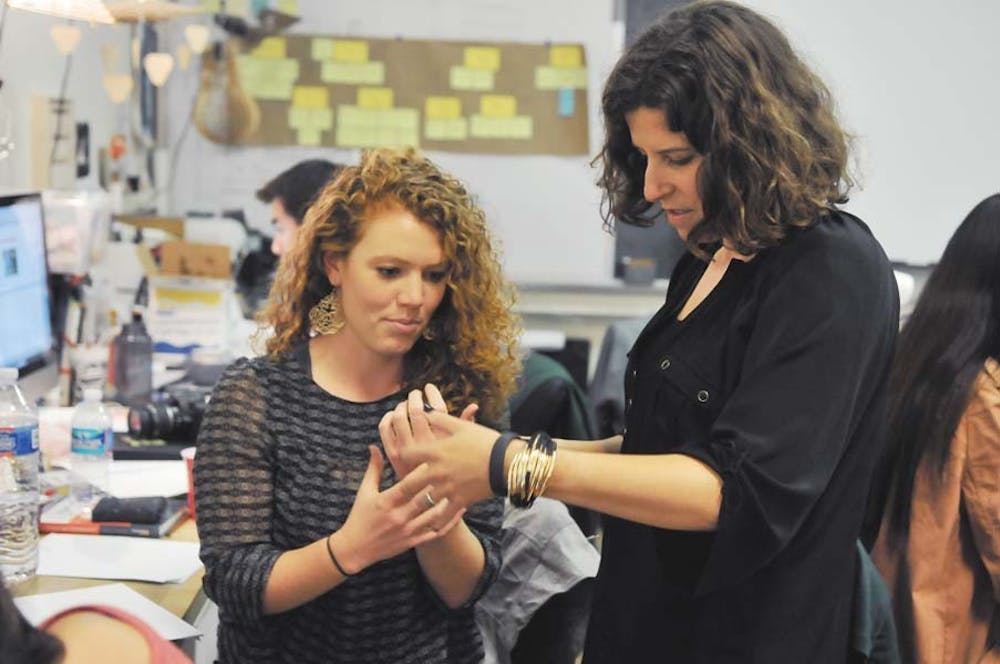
[(132, 351), (18, 482), (91, 446)]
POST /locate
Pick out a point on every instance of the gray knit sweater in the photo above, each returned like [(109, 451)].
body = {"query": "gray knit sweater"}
[(279, 461)]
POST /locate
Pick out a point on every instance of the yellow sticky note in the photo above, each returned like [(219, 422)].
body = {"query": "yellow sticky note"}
[(268, 78), (310, 96), (270, 47), (446, 130), (288, 7), (350, 50), (375, 98), (554, 78), (566, 56), (368, 73), (498, 106), (212, 6), (482, 57), (443, 108), (463, 78), (321, 48)]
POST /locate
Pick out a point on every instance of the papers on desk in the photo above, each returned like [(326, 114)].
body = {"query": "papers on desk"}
[(38, 608), (132, 479), (113, 557)]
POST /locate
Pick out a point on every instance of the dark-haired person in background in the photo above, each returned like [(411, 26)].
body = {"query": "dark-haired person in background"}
[(938, 494), (290, 194), (755, 396)]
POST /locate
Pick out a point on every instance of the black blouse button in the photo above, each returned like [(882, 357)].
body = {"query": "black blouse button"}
[(665, 364), (702, 396)]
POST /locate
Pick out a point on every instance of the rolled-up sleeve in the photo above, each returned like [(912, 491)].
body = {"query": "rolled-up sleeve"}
[(233, 477), (820, 342)]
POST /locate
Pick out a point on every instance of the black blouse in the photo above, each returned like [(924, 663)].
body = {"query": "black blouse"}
[(777, 381)]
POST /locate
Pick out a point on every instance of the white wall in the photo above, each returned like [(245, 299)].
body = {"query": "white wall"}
[(543, 209), (918, 83), (31, 65)]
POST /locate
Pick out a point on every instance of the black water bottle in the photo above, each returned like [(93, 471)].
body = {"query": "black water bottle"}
[(133, 361)]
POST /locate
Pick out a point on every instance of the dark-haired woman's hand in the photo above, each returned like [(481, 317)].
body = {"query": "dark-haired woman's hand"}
[(399, 431), (457, 461)]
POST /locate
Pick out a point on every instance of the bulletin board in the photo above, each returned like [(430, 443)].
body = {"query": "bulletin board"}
[(500, 98)]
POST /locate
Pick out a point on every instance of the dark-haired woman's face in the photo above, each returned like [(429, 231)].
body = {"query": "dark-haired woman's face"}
[(671, 178)]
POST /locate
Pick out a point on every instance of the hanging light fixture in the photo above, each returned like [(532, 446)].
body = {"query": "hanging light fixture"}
[(183, 56), (118, 86), (92, 11), (65, 36), (197, 37), (158, 67)]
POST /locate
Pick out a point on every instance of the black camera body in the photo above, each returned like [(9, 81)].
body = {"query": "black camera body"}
[(174, 414)]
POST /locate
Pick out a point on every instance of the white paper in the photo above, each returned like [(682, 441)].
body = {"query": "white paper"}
[(38, 608), (114, 557), (131, 479)]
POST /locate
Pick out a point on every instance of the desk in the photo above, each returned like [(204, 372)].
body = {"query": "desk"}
[(184, 600)]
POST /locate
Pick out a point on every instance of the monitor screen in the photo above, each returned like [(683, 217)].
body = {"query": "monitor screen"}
[(26, 331)]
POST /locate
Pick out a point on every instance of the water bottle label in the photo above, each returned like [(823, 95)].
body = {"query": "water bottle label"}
[(90, 441), (18, 440)]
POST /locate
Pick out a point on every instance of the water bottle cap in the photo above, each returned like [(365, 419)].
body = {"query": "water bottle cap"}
[(93, 394), (8, 375)]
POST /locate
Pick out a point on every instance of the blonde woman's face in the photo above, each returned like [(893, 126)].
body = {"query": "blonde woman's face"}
[(671, 178), (391, 282)]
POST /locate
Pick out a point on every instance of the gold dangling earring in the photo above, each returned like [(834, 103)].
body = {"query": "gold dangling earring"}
[(325, 317), (428, 333)]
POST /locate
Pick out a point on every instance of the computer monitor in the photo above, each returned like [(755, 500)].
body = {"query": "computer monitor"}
[(26, 333)]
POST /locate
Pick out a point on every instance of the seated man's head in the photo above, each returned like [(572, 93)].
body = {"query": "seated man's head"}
[(290, 194)]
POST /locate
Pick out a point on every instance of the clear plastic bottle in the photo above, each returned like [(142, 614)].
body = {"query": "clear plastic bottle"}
[(132, 351), (91, 446), (18, 482)]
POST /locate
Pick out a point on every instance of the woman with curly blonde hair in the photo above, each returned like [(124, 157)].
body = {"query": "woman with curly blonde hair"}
[(755, 397), (314, 549)]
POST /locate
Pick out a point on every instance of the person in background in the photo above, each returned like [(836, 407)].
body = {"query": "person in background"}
[(937, 498), (81, 635), (755, 397), (290, 194), (314, 550)]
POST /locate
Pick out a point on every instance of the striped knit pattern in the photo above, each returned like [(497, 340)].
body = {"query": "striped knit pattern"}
[(279, 461)]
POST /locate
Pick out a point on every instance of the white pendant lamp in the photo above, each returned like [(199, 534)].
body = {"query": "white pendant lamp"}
[(183, 56), (158, 67), (66, 37), (197, 37), (118, 86)]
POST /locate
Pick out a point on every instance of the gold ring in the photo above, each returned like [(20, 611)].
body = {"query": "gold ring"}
[(429, 500)]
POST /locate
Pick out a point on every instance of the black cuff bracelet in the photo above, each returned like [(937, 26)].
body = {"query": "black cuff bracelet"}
[(498, 479)]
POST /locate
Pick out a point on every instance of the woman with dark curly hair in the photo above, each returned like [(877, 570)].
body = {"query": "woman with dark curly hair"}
[(755, 398), (314, 550)]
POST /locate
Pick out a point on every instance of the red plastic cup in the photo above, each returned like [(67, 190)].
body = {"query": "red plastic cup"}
[(188, 455)]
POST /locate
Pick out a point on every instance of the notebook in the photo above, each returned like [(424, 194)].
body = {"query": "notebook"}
[(64, 514)]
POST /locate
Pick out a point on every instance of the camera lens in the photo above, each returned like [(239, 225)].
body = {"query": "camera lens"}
[(152, 420)]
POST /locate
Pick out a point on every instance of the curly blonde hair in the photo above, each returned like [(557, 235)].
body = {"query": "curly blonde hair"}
[(472, 355), (775, 156)]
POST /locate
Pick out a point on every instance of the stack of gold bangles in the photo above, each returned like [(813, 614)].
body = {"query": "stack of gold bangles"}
[(530, 470)]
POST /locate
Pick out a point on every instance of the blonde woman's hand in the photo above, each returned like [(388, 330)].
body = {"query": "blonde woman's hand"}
[(407, 425), (383, 524)]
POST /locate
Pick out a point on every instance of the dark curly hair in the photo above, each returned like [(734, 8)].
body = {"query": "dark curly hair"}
[(473, 354), (724, 76)]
